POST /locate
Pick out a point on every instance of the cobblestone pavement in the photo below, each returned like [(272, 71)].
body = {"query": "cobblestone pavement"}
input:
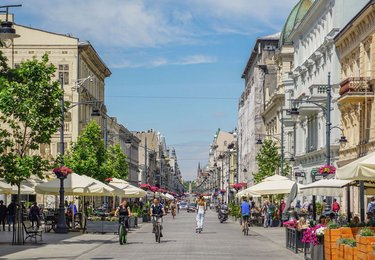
[(217, 241)]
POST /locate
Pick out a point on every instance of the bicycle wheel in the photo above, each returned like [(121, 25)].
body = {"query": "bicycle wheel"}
[(121, 234), (247, 229), (158, 228)]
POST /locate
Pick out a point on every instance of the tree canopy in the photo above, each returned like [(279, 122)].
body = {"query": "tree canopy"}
[(268, 160), (30, 113), (88, 156)]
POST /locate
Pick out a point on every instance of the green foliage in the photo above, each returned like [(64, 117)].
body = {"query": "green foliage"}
[(30, 114), (319, 208), (332, 225), (268, 160), (116, 165), (234, 210), (347, 241), (88, 156), (366, 232)]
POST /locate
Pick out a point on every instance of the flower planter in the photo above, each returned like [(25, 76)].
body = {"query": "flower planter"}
[(317, 252), (331, 251), (364, 245), (101, 226), (146, 218), (132, 222)]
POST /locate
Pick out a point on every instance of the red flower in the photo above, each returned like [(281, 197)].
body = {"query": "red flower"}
[(62, 171), (108, 179), (222, 191), (327, 169)]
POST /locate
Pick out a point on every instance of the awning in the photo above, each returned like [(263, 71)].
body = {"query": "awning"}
[(362, 169), (275, 184), (325, 187)]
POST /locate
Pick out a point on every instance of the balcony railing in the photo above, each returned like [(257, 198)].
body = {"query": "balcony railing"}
[(355, 85)]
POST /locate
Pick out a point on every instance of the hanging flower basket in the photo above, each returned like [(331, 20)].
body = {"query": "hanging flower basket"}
[(239, 186), (62, 172), (327, 169), (222, 191)]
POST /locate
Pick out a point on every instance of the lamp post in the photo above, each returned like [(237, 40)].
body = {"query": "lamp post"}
[(327, 110), (61, 226)]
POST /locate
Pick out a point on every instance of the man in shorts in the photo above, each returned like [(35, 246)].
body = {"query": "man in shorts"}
[(245, 212)]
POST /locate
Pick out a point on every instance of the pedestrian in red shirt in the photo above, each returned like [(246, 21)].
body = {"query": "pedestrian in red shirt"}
[(335, 206)]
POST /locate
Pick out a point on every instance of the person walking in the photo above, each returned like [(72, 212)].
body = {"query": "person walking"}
[(3, 213), (371, 205), (270, 211), (12, 208), (265, 214), (335, 206), (201, 209), (34, 215)]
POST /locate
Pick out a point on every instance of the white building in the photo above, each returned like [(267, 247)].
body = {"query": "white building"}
[(314, 57), (260, 72)]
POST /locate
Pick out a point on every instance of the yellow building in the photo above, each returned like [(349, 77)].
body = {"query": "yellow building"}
[(83, 73), (355, 46)]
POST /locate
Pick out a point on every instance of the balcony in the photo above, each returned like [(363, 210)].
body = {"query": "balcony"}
[(356, 89)]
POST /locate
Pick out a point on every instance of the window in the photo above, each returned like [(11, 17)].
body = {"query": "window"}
[(312, 136), (64, 52), (64, 71)]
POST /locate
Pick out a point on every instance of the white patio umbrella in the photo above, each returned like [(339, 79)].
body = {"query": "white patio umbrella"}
[(100, 187), (5, 188), (169, 196), (124, 189), (23, 189), (246, 192), (325, 187), (362, 169), (275, 184), (74, 184)]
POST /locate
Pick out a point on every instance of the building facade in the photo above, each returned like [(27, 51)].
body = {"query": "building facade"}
[(314, 58), (83, 72), (259, 76), (356, 49)]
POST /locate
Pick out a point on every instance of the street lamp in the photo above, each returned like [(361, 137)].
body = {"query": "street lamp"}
[(327, 109), (61, 223), (7, 32)]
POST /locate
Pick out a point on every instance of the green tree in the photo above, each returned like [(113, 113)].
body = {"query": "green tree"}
[(268, 160), (30, 114), (88, 154), (116, 165)]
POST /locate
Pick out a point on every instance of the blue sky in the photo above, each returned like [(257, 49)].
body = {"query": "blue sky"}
[(176, 64)]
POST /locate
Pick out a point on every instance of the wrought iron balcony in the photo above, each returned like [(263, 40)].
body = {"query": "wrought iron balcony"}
[(354, 89)]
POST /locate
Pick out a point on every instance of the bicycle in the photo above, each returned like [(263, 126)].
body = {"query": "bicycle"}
[(157, 220), (122, 231), (246, 225)]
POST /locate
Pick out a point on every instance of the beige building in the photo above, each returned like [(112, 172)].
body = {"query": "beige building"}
[(356, 48), (222, 162), (83, 73)]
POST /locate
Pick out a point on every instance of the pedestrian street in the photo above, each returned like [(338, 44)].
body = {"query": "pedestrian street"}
[(179, 241)]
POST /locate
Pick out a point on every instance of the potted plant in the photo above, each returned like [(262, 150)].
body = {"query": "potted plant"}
[(365, 239)]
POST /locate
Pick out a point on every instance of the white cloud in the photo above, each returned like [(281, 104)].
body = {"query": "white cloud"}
[(159, 62), (197, 59), (143, 23)]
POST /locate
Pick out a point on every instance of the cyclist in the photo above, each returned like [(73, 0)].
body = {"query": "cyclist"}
[(245, 212), (123, 212), (157, 209), (173, 208)]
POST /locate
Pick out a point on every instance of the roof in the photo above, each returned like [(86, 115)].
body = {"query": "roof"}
[(273, 37), (350, 24), (294, 18)]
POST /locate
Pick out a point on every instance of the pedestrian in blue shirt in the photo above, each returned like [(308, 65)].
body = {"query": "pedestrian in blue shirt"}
[(245, 212)]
